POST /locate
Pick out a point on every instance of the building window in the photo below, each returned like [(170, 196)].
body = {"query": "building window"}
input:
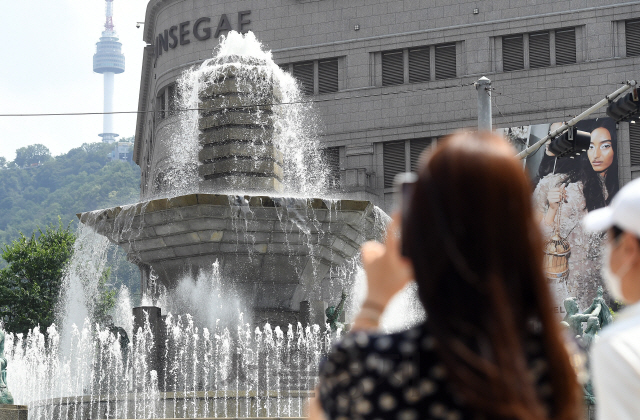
[(332, 160), (303, 72), (446, 62), (566, 46), (419, 65), (512, 53), (323, 80), (328, 76), (161, 104), (392, 68), (634, 143), (632, 35), (417, 146), (541, 49), (393, 160)]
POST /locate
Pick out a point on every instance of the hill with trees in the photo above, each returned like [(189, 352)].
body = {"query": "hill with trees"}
[(36, 189)]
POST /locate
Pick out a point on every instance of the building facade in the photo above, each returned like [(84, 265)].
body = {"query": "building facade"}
[(390, 77)]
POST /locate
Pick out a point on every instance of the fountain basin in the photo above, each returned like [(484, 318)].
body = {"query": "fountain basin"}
[(274, 250)]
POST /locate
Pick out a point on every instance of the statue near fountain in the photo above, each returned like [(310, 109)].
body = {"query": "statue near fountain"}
[(333, 314), (5, 395), (597, 316)]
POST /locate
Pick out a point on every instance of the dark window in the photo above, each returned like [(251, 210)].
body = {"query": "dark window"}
[(328, 76), (446, 62), (161, 105), (393, 160), (539, 55), (332, 160), (284, 67), (632, 35), (417, 146), (392, 68), (419, 65), (512, 53), (171, 92), (634, 143), (303, 72), (566, 46)]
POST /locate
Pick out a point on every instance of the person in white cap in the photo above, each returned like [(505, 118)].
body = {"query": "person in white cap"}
[(615, 358)]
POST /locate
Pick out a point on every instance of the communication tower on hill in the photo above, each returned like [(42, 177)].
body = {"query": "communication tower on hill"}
[(108, 61)]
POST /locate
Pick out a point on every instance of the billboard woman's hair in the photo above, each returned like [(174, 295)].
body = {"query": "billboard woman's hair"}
[(473, 192)]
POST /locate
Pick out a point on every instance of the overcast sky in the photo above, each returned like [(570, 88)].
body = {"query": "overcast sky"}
[(47, 67)]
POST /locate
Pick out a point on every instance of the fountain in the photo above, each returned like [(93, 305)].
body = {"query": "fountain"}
[(238, 258)]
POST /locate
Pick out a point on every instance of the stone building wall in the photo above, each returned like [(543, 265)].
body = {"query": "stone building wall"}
[(364, 114)]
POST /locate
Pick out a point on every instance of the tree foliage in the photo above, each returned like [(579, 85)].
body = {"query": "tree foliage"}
[(30, 155), (30, 284), (81, 180)]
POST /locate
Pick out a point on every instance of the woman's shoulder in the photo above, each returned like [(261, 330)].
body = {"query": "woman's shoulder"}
[(552, 180)]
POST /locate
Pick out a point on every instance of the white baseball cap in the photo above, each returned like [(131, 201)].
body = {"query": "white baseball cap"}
[(623, 212)]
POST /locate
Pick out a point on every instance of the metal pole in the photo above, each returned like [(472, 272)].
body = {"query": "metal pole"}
[(607, 99), (483, 86)]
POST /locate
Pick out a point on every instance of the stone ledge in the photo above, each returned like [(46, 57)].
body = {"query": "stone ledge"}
[(13, 412)]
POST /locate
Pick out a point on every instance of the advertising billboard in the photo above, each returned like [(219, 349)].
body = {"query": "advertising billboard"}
[(565, 190)]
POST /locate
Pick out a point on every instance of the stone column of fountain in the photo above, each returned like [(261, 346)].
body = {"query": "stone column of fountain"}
[(236, 122)]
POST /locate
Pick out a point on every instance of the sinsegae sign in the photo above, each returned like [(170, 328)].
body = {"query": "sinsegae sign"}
[(200, 30)]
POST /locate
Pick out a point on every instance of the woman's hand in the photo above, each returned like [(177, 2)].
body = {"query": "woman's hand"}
[(387, 270), (555, 196)]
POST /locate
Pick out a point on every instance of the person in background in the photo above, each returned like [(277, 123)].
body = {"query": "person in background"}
[(615, 357), (491, 348)]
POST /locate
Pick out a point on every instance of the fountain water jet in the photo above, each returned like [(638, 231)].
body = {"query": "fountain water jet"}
[(230, 206)]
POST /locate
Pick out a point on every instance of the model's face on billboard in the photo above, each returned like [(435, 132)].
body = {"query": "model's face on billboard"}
[(600, 151)]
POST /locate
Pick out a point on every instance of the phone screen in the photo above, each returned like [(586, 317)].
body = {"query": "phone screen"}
[(405, 184)]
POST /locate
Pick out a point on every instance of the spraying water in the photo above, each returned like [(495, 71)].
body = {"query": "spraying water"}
[(205, 356)]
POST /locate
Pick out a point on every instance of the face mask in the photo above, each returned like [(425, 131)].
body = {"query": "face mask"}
[(613, 281)]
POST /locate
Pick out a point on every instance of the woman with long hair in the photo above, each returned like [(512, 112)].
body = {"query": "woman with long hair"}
[(491, 346), (563, 199)]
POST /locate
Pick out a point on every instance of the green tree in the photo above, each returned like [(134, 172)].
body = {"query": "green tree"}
[(3, 162), (35, 153), (30, 284)]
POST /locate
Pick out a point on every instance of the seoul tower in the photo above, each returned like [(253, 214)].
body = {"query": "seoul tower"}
[(109, 61)]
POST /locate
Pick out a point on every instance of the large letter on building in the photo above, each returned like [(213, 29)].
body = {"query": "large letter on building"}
[(223, 25), (206, 30)]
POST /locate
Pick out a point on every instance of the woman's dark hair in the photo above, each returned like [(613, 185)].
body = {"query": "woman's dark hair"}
[(592, 182), (477, 256)]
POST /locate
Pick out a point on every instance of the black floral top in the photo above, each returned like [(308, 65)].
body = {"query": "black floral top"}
[(395, 376)]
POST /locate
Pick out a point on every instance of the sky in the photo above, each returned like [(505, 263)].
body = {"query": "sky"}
[(47, 67)]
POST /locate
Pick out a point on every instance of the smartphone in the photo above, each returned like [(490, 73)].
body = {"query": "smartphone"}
[(404, 184)]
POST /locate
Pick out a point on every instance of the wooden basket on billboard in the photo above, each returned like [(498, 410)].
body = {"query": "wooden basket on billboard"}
[(557, 251)]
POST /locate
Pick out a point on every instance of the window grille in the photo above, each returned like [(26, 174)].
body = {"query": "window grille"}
[(393, 160), (332, 160), (634, 143), (419, 65), (303, 72), (161, 105), (512, 53), (392, 68), (328, 76), (539, 54), (446, 61), (566, 46), (417, 146), (632, 35)]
